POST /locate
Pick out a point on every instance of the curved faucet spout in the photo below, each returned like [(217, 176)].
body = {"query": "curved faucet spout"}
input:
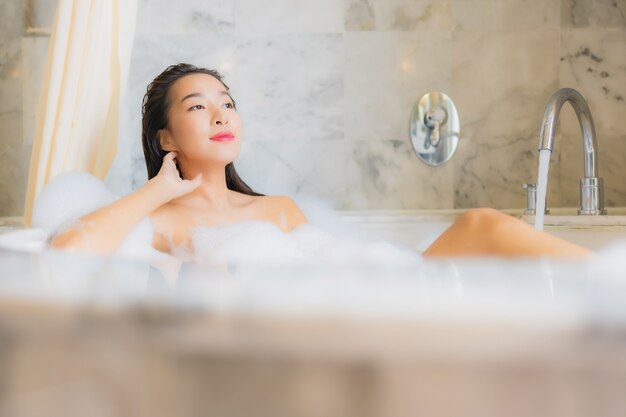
[(591, 186), (550, 119)]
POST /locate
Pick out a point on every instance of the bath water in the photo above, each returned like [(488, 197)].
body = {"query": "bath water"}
[(542, 187)]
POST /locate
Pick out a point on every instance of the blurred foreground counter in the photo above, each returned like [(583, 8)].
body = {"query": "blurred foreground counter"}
[(81, 359)]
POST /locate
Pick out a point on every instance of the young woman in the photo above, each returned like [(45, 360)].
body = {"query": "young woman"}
[(191, 135)]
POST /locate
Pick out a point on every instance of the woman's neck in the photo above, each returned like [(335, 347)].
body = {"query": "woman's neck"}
[(211, 194)]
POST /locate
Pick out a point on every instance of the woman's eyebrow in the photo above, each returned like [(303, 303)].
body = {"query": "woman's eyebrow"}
[(222, 93)]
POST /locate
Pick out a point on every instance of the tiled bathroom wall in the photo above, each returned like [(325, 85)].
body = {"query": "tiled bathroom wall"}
[(325, 89), (13, 152)]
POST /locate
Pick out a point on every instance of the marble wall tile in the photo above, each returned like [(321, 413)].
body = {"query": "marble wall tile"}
[(152, 54), (163, 17), (13, 153), (11, 79), (39, 14), (407, 15), (593, 61), (290, 88), (491, 173), (11, 132), (390, 176), (500, 98), (359, 16), (402, 15), (325, 89), (518, 15), (26, 96), (348, 174), (128, 170), (502, 80), (289, 16), (593, 13), (13, 173), (385, 74), (12, 27), (612, 167), (304, 169), (34, 51)]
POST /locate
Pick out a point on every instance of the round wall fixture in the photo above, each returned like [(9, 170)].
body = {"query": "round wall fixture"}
[(434, 128)]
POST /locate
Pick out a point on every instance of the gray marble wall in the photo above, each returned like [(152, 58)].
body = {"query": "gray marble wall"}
[(325, 89)]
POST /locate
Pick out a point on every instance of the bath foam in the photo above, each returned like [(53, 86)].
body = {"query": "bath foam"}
[(255, 242), (251, 241), (73, 195), (70, 196)]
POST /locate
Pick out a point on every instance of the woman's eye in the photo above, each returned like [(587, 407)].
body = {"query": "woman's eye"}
[(229, 105), (197, 107)]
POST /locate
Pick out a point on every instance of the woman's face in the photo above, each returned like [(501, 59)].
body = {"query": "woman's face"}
[(203, 125)]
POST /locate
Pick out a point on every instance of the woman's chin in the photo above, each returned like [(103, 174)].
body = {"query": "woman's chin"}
[(225, 151), (221, 160)]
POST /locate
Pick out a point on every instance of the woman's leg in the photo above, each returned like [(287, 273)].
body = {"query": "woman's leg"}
[(481, 232)]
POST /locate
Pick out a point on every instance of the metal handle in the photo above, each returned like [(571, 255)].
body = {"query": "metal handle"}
[(434, 128), (433, 119), (531, 198)]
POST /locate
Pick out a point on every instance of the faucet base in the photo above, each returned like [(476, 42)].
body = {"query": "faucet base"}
[(592, 196), (592, 212)]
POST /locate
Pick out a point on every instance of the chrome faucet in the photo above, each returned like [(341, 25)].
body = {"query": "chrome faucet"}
[(591, 186)]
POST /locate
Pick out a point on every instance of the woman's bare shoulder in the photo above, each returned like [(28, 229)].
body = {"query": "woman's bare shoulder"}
[(281, 210), (284, 209)]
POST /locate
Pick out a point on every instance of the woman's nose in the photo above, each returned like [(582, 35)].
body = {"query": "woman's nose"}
[(220, 118)]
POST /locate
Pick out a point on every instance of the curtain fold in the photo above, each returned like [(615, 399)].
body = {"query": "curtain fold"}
[(79, 104)]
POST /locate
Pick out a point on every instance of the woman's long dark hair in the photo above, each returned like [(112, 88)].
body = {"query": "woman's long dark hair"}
[(154, 118)]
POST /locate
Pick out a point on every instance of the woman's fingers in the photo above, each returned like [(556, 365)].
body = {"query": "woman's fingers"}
[(169, 163), (169, 158), (198, 180), (194, 183), (178, 186)]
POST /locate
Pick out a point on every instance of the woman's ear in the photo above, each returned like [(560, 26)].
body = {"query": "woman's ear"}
[(165, 140)]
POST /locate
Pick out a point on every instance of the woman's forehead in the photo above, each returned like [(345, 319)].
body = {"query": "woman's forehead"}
[(196, 83)]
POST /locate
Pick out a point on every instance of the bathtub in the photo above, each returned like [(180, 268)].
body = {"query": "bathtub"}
[(418, 229), (451, 337), (124, 280)]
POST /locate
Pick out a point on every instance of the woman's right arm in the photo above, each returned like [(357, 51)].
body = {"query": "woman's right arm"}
[(103, 230)]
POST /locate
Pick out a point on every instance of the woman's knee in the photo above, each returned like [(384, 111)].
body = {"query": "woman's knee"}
[(488, 222), (480, 218)]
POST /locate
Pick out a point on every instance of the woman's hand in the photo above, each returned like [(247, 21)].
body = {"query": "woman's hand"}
[(103, 230), (170, 182)]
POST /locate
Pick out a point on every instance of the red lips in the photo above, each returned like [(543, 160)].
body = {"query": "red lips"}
[(223, 137)]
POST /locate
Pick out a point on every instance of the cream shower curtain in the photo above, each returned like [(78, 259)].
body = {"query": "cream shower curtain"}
[(79, 103)]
